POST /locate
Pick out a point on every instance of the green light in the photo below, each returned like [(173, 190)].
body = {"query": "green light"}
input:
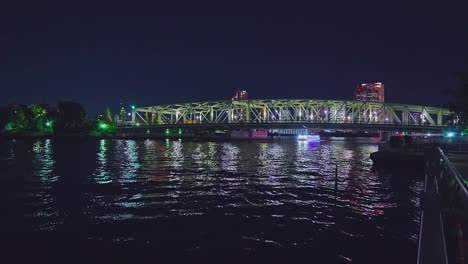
[(180, 131), (404, 133), (103, 126), (167, 131), (138, 124), (9, 126), (48, 124), (147, 131), (133, 107)]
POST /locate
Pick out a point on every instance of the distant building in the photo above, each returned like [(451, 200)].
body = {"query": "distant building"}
[(370, 92), (241, 95)]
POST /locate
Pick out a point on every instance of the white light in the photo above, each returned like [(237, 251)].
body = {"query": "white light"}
[(349, 117), (325, 111), (129, 114), (386, 119), (308, 138)]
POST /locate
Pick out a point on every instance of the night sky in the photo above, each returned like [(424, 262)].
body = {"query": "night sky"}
[(146, 53)]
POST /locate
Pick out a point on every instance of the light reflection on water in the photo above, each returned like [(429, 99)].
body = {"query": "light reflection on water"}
[(265, 188)]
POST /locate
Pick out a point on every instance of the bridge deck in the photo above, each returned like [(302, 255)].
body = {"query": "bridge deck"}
[(311, 125)]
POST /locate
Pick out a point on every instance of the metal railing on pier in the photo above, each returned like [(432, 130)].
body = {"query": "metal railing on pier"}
[(444, 218), (447, 147)]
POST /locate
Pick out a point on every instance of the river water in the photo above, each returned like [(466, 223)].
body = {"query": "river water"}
[(126, 200)]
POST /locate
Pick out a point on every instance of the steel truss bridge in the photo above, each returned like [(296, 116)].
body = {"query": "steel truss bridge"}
[(285, 113)]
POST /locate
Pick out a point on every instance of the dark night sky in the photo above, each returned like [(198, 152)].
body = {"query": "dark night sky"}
[(152, 53)]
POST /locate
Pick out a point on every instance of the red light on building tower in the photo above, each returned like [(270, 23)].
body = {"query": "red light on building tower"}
[(370, 92)]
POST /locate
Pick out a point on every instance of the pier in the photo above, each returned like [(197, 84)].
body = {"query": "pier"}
[(443, 236)]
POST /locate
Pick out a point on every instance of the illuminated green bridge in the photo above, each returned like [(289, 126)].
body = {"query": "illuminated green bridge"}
[(290, 113)]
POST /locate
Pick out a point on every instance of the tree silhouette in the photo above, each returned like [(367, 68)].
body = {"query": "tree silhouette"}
[(123, 115), (109, 119), (39, 115), (71, 116), (147, 119), (459, 105)]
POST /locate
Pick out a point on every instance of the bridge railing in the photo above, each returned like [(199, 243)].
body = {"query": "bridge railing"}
[(286, 122)]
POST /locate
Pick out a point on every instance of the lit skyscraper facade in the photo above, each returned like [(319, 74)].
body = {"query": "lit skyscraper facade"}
[(370, 92), (241, 95)]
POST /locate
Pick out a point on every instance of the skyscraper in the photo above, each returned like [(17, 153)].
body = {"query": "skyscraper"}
[(241, 95), (370, 92)]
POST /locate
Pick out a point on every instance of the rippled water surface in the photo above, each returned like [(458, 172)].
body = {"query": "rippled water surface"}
[(106, 200)]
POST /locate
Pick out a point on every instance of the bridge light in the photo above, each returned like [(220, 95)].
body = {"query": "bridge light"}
[(349, 117), (129, 114), (167, 131), (180, 131), (138, 124), (147, 131), (450, 134), (386, 119), (133, 107)]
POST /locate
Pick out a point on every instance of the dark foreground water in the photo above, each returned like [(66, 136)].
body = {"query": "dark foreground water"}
[(149, 201)]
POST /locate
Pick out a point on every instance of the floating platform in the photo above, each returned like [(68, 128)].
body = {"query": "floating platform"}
[(397, 159), (247, 134)]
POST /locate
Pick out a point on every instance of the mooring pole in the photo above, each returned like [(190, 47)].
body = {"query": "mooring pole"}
[(336, 179), (335, 207)]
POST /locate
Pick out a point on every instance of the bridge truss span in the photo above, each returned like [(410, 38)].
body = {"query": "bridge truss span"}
[(283, 111)]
